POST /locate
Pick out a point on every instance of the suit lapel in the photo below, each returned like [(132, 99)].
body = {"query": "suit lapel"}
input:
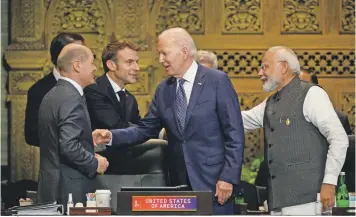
[(196, 91), (111, 94)]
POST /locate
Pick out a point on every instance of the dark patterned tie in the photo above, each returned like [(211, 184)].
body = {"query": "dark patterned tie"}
[(181, 104), (122, 96)]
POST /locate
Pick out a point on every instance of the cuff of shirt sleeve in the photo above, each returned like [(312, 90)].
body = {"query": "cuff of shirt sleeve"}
[(93, 173), (330, 179), (110, 143)]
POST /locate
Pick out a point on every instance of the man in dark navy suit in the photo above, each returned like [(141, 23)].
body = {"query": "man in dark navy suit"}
[(110, 105), (38, 90), (200, 111)]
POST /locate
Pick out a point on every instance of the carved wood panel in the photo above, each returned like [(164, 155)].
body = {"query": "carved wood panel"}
[(239, 31), (301, 16), (241, 16), (323, 62)]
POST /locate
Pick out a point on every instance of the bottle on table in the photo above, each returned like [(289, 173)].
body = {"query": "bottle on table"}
[(342, 195), (69, 203)]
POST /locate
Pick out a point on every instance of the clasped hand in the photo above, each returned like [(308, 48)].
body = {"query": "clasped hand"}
[(101, 136), (103, 164)]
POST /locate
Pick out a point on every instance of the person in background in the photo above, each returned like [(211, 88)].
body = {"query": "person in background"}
[(299, 123), (207, 59), (67, 160), (200, 111), (308, 76), (110, 105), (38, 90)]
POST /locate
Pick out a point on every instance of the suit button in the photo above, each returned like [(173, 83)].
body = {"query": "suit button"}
[(274, 112), (272, 129), (269, 145), (273, 177), (270, 161)]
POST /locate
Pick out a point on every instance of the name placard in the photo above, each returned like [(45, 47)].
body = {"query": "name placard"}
[(164, 203)]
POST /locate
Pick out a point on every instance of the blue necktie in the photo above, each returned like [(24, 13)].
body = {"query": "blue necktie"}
[(181, 104)]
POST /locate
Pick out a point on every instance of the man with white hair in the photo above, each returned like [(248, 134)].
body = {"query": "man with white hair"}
[(298, 121), (207, 59), (200, 111)]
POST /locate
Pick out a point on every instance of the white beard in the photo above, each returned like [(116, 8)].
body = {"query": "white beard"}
[(269, 86)]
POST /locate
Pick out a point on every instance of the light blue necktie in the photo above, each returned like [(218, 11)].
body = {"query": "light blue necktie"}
[(181, 104)]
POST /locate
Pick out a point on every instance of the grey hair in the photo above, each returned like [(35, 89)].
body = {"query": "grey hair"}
[(204, 56), (288, 55), (182, 38), (64, 62)]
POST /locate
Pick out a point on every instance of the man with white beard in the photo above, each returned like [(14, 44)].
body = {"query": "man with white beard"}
[(298, 121)]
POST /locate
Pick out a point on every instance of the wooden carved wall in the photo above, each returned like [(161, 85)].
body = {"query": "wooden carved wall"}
[(238, 31)]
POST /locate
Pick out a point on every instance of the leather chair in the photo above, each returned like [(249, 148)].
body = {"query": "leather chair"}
[(141, 165)]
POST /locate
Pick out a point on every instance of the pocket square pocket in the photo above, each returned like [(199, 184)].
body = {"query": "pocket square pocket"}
[(215, 160)]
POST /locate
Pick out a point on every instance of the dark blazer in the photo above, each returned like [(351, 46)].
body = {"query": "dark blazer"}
[(106, 113), (104, 108), (67, 162), (345, 122), (34, 98), (212, 144)]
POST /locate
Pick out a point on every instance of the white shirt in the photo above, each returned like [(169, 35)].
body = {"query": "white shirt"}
[(56, 74), (75, 84), (189, 78), (318, 110), (115, 86)]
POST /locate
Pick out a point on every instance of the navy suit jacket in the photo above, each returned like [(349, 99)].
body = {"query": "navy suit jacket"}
[(212, 144)]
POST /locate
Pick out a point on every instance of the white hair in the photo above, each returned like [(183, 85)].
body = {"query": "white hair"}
[(182, 38), (288, 55), (204, 56)]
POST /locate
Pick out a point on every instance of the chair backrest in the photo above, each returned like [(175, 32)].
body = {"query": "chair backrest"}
[(261, 194), (250, 195)]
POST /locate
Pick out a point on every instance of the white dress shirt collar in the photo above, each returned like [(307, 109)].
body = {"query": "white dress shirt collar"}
[(115, 86), (75, 84), (56, 73), (191, 73)]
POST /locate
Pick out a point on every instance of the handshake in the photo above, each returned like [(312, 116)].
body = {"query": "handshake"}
[(101, 137)]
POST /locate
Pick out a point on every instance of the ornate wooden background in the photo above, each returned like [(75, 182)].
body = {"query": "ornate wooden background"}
[(239, 31)]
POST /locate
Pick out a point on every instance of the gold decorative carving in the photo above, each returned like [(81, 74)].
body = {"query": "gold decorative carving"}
[(348, 16), (150, 4), (247, 63), (253, 139), (187, 14), (47, 3), (143, 102), (78, 16), (131, 21), (85, 17), (241, 16), (341, 63), (241, 63), (301, 16), (348, 107), (27, 25), (20, 82), (24, 158)]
